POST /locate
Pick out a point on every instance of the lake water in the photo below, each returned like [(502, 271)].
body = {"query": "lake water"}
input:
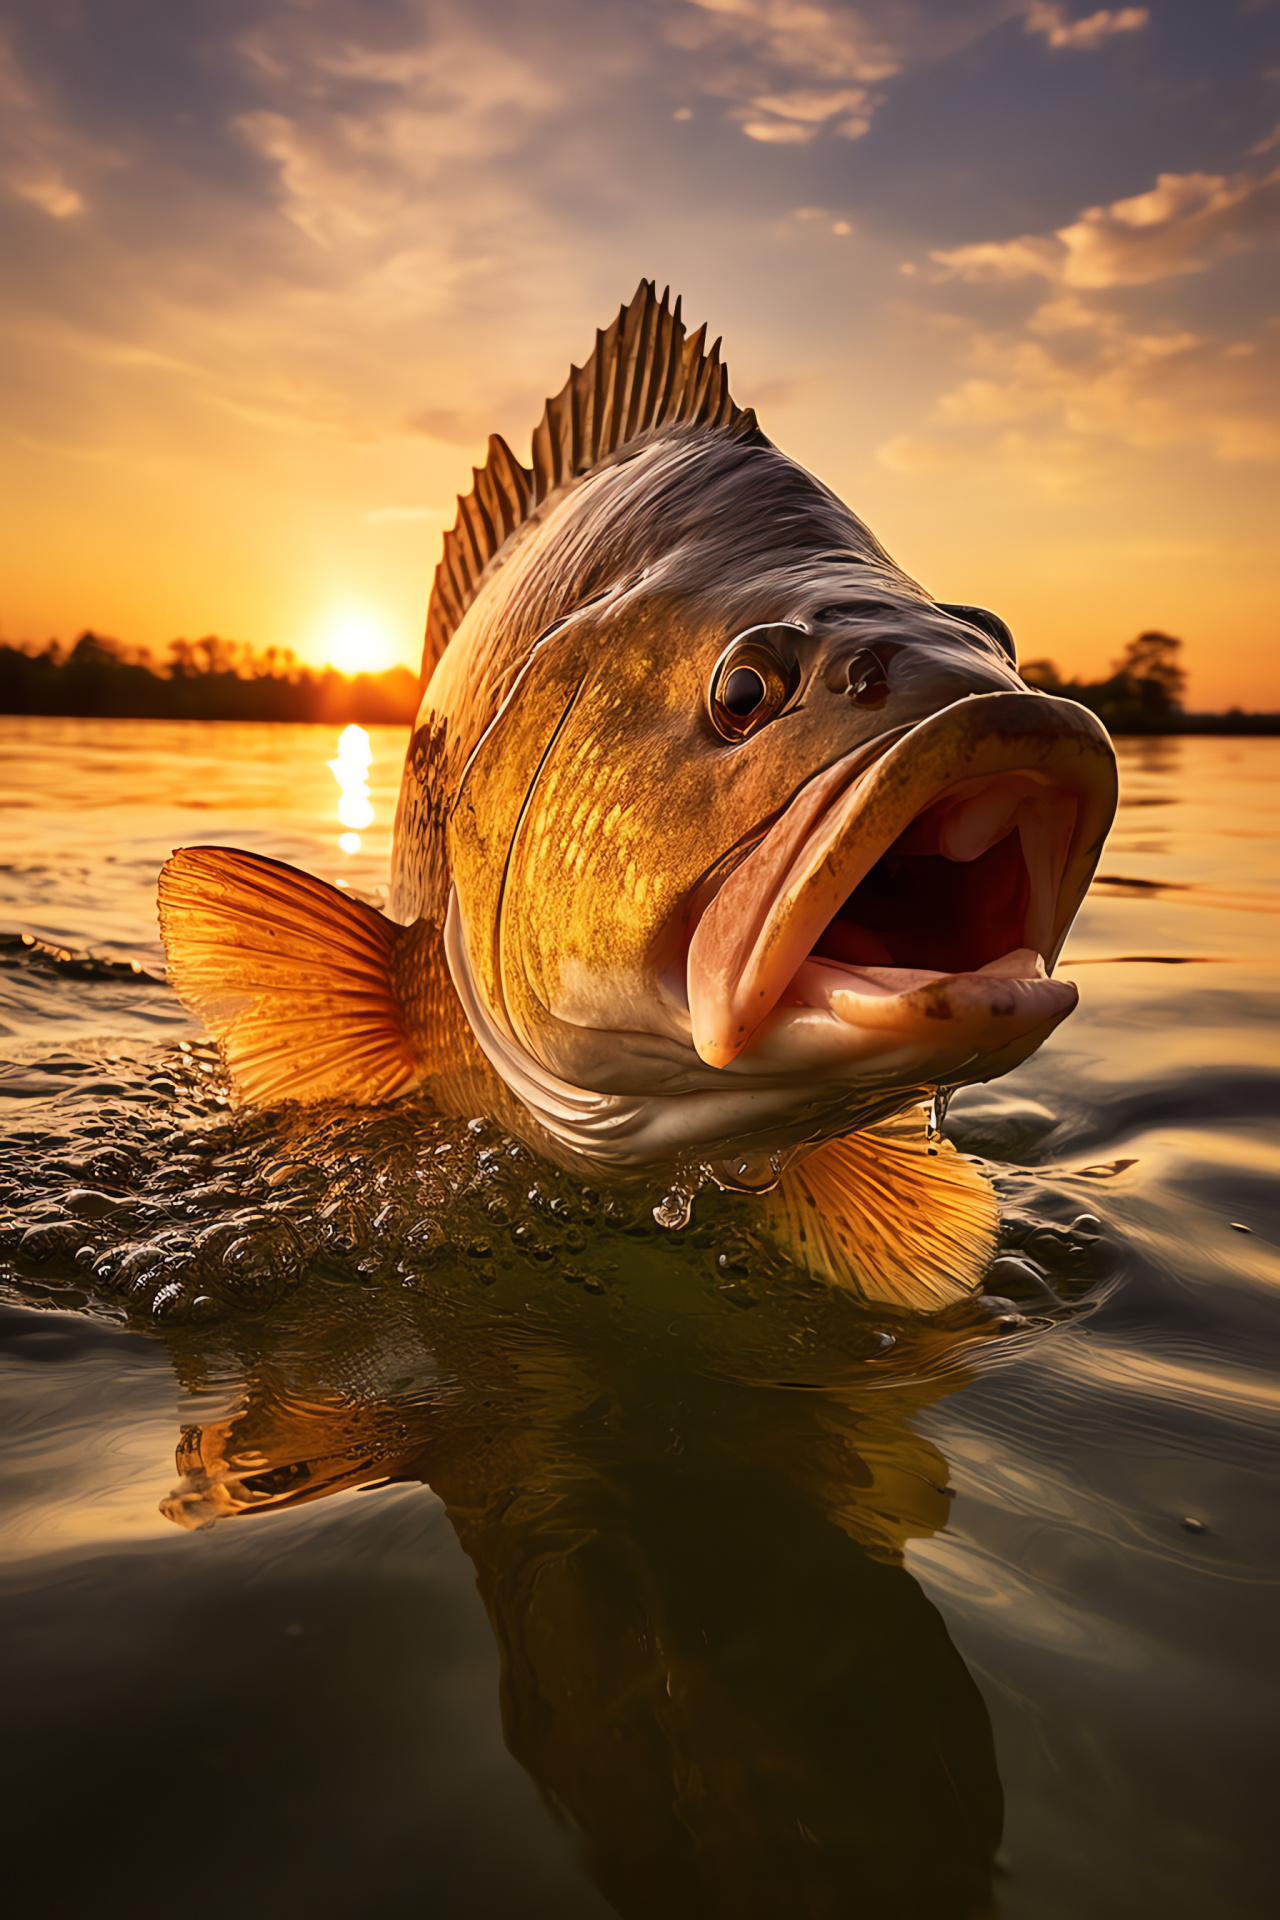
[(463, 1544)]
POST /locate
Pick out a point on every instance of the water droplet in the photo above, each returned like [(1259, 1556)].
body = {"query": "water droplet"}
[(747, 1172), (1238, 1226), (676, 1210), (1191, 1525)]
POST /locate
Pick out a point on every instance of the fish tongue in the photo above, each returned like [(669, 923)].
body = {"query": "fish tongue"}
[(916, 998), (1023, 964)]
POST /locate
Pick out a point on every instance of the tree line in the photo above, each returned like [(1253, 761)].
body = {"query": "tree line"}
[(1144, 691), (217, 679), (206, 679)]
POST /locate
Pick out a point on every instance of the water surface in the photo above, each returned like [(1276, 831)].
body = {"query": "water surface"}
[(389, 1525)]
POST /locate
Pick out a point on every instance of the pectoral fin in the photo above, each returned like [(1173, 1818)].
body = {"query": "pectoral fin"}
[(878, 1213), (294, 978)]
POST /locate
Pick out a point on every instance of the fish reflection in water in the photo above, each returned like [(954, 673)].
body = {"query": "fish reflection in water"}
[(715, 1665)]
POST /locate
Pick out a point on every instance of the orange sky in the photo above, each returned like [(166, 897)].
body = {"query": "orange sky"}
[(1003, 274)]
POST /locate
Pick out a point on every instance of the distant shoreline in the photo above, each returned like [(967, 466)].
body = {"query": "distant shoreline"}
[(214, 679), (1240, 725), (350, 701), (208, 680)]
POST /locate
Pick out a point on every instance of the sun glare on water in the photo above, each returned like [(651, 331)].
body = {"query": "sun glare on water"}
[(351, 771), (356, 644)]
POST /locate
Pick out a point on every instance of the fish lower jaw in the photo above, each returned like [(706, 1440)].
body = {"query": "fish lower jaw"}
[(907, 1024)]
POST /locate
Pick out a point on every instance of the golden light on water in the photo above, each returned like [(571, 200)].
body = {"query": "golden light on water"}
[(357, 644), (351, 771)]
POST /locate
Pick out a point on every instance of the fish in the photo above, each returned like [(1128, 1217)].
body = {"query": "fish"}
[(723, 850)]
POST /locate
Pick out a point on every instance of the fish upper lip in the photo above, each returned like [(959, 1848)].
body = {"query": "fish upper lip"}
[(1002, 759)]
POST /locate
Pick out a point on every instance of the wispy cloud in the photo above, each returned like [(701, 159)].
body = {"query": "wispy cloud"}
[(1079, 375), (790, 70), (42, 161), (1179, 226), (1089, 33)]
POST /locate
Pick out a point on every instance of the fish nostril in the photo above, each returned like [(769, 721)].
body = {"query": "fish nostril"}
[(861, 676)]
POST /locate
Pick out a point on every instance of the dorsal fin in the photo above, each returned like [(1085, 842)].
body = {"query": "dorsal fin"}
[(645, 373)]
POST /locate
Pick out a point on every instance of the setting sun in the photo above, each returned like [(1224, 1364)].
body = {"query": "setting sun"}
[(356, 644)]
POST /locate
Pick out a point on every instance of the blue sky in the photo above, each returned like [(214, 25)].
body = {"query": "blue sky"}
[(1002, 272)]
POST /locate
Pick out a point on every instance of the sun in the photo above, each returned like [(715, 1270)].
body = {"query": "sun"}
[(357, 644)]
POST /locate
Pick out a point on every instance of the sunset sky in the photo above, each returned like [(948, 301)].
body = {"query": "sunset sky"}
[(1002, 272)]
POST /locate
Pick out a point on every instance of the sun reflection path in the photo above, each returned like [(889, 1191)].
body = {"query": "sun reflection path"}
[(351, 771)]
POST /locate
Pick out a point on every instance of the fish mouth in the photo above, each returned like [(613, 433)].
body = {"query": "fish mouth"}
[(934, 886)]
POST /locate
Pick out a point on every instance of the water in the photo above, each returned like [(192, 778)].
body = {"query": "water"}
[(389, 1525)]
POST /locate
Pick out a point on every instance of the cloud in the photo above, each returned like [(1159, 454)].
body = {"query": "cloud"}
[(830, 42), (794, 69), (790, 68), (1080, 376), (362, 131), (1179, 226), (798, 115), (1084, 35), (325, 225), (39, 157)]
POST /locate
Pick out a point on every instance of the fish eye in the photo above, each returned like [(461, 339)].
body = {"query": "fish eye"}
[(753, 680), (743, 691)]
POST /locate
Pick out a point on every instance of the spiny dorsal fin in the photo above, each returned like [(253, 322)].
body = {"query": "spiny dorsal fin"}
[(879, 1214), (293, 977), (645, 373)]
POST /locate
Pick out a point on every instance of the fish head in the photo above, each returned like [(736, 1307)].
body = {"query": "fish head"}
[(756, 852)]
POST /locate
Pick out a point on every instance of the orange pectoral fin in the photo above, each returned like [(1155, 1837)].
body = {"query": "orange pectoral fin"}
[(292, 976), (878, 1213)]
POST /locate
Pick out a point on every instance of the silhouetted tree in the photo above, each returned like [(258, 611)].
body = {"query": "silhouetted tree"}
[(1144, 691), (1152, 663)]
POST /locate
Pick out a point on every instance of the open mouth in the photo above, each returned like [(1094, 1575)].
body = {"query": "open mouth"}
[(935, 885)]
